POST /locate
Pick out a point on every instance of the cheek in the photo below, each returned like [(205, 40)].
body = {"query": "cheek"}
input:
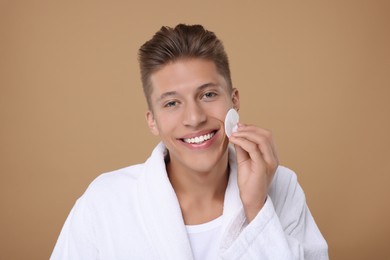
[(166, 123), (218, 112)]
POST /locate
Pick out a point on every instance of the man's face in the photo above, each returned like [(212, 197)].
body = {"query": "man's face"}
[(189, 103)]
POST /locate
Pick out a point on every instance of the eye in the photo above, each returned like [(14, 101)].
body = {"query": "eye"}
[(171, 104), (209, 95)]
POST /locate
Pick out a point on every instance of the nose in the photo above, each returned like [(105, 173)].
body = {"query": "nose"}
[(194, 115)]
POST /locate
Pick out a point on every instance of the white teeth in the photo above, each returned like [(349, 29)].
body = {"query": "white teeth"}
[(198, 139)]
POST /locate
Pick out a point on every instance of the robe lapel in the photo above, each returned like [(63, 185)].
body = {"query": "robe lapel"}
[(233, 211), (161, 210)]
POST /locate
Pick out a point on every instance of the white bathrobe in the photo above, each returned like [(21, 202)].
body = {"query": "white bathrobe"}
[(133, 213)]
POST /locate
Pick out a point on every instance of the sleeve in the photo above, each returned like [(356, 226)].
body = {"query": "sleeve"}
[(283, 229), (76, 238)]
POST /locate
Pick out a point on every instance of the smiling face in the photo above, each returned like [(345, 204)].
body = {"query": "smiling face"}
[(189, 102)]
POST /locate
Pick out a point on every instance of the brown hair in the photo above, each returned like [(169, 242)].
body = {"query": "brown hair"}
[(183, 41)]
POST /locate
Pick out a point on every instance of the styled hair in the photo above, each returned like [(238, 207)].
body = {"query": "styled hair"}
[(183, 41)]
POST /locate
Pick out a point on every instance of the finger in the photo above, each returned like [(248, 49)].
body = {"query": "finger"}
[(248, 150), (260, 131), (264, 144), (241, 154)]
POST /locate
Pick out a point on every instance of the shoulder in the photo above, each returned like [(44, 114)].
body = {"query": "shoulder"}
[(284, 177), (125, 175), (114, 184), (123, 184), (285, 190)]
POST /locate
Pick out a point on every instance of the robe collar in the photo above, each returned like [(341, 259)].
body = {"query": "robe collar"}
[(161, 211)]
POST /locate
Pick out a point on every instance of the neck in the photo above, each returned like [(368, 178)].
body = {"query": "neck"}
[(200, 194)]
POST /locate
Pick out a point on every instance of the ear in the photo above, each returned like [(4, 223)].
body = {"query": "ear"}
[(152, 123), (235, 99)]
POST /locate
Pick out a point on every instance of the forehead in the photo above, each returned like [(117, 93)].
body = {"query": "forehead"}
[(185, 75)]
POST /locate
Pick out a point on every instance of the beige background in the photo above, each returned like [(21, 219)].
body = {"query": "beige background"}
[(314, 72)]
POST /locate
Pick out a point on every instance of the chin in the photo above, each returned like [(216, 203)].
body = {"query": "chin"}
[(203, 167), (206, 162)]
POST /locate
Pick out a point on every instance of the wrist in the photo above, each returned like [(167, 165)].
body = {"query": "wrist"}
[(252, 209)]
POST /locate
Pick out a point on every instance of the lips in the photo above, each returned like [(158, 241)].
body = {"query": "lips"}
[(199, 138)]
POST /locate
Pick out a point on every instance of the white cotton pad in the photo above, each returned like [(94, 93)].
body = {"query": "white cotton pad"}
[(231, 121)]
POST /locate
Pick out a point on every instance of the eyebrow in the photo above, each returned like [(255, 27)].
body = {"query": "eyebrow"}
[(174, 93), (166, 94)]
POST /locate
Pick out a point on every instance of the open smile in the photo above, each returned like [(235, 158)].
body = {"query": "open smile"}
[(199, 139)]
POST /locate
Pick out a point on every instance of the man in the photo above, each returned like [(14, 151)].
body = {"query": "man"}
[(196, 197)]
